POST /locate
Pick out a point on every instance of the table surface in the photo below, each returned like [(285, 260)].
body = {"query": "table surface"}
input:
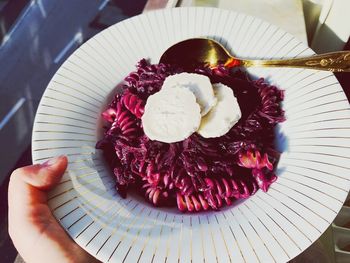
[(287, 14)]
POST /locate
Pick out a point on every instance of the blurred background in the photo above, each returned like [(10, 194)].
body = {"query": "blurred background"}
[(36, 36)]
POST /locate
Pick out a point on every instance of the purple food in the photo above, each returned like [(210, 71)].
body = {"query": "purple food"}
[(197, 173)]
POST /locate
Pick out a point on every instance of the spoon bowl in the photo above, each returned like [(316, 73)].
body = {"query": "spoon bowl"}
[(204, 51)]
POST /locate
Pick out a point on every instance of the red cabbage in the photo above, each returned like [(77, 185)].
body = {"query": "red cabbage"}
[(197, 173)]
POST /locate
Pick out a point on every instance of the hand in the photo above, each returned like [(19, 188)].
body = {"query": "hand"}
[(36, 234)]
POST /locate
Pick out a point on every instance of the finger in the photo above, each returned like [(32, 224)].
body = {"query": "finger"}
[(28, 185), (29, 214), (42, 176), (32, 226)]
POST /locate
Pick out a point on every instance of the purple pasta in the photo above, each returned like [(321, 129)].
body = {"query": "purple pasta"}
[(198, 173), (134, 104)]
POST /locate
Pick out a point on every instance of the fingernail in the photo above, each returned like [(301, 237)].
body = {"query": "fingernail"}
[(52, 161)]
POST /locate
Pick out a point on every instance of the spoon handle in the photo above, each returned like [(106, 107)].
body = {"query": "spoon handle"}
[(335, 62)]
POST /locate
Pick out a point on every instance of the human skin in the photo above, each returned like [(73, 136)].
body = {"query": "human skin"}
[(36, 234)]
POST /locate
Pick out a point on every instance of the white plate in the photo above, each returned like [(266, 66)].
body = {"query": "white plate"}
[(314, 170)]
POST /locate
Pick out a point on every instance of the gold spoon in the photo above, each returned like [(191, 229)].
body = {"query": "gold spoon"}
[(199, 51)]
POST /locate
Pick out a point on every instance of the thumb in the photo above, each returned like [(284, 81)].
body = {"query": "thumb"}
[(42, 176), (28, 184), (35, 233), (28, 213)]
